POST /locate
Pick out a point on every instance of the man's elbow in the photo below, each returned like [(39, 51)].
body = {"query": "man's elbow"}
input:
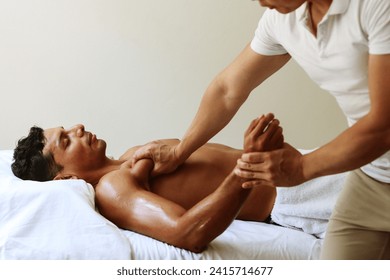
[(197, 246), (191, 241)]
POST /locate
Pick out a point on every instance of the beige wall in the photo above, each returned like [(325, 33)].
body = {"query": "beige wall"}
[(134, 70)]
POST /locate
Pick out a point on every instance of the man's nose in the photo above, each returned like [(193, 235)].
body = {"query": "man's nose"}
[(78, 130)]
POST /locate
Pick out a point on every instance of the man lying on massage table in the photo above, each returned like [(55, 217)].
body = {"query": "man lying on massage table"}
[(187, 208)]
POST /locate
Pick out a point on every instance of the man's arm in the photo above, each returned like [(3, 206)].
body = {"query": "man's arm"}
[(360, 144), (123, 199), (220, 102)]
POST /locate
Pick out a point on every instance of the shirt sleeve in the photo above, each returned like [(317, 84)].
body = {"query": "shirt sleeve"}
[(377, 24), (264, 41)]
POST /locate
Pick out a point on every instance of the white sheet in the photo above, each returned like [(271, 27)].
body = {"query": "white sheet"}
[(242, 240), (53, 220), (57, 220)]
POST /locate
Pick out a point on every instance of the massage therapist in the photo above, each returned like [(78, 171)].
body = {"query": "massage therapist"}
[(344, 46)]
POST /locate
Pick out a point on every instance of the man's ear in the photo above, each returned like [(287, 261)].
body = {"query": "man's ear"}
[(65, 177)]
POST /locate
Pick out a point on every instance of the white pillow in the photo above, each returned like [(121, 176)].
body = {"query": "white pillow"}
[(53, 220)]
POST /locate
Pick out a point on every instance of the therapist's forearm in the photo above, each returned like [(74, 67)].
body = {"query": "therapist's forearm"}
[(226, 94), (357, 146), (217, 108)]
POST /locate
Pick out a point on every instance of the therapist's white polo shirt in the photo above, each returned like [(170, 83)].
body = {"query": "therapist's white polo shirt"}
[(337, 59)]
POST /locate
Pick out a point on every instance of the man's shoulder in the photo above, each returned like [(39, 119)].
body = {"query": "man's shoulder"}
[(118, 180)]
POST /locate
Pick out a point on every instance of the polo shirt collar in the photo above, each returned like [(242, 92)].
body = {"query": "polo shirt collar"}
[(337, 7), (301, 12)]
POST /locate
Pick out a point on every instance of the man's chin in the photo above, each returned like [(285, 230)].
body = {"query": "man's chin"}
[(103, 144), (100, 145)]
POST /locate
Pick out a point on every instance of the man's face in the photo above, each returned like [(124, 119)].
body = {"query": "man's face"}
[(75, 149), (282, 6)]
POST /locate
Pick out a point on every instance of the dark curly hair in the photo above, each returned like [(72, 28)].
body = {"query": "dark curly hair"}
[(30, 163)]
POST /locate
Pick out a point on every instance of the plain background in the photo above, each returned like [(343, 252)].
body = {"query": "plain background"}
[(134, 70)]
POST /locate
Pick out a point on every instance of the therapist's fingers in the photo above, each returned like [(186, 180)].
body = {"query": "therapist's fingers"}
[(256, 183), (156, 151), (142, 153), (282, 167), (259, 166), (256, 157), (253, 178), (251, 166)]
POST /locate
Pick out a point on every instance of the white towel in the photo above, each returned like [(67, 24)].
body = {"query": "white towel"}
[(309, 205)]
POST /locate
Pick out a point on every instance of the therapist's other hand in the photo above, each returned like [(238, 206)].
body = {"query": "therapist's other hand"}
[(163, 156), (281, 167)]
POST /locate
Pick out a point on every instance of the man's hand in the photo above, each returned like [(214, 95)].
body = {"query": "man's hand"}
[(163, 156), (263, 134), (281, 167)]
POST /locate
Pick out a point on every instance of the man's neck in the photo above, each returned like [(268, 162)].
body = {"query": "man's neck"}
[(317, 10), (93, 177)]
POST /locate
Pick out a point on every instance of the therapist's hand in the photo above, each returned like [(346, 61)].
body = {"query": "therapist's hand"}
[(281, 167), (163, 155)]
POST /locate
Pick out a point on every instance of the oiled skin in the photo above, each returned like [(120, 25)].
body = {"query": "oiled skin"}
[(201, 174)]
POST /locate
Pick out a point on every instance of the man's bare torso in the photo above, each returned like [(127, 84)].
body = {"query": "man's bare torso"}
[(201, 174)]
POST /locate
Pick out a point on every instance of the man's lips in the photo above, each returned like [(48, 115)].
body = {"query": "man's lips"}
[(91, 138)]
